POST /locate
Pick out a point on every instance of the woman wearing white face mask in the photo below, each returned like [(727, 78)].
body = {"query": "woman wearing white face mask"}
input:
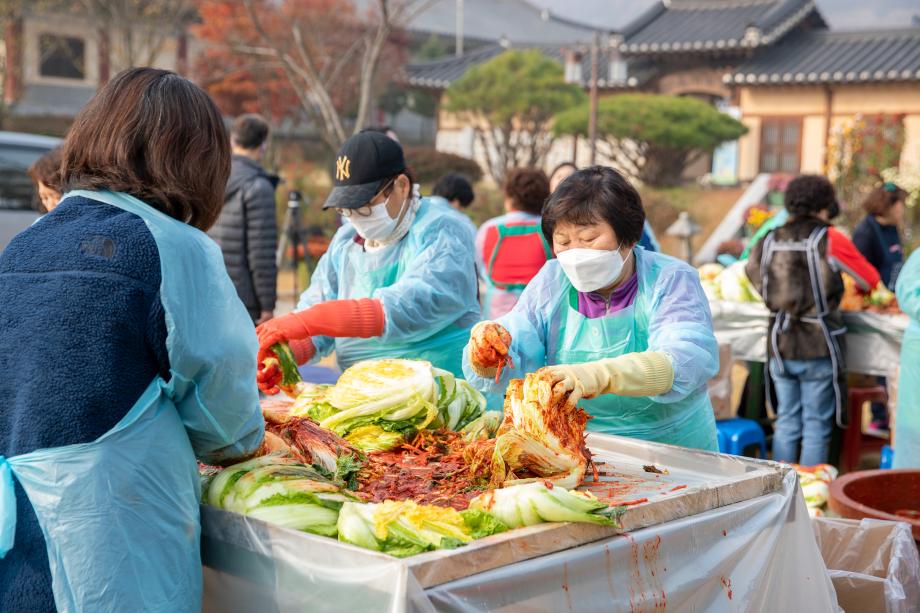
[(399, 279), (626, 330)]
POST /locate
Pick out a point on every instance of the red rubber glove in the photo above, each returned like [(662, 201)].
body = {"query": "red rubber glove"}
[(269, 378), (363, 318)]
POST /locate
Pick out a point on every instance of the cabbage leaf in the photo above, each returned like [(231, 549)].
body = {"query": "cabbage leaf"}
[(533, 503)]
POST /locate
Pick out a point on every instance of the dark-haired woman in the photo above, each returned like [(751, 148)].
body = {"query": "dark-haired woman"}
[(126, 355), (399, 279), (46, 174), (510, 249), (877, 236), (878, 239), (625, 329)]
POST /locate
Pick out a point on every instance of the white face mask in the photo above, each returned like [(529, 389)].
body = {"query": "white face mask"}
[(377, 226), (591, 269)]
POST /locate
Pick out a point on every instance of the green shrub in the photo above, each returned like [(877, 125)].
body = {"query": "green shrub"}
[(429, 164)]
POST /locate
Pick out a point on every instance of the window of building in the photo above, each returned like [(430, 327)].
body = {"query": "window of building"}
[(63, 57), (780, 144)]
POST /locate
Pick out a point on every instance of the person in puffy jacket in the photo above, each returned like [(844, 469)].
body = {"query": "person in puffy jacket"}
[(247, 229)]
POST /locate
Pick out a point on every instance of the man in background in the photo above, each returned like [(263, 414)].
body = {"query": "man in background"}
[(247, 230)]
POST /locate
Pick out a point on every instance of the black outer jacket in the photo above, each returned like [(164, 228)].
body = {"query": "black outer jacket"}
[(247, 232)]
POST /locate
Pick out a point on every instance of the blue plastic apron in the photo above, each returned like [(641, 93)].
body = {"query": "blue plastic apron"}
[(580, 339), (120, 514), (360, 277)]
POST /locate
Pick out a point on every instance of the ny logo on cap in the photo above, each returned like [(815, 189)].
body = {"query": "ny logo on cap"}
[(342, 168)]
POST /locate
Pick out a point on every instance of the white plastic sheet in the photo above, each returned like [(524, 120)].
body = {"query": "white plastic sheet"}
[(873, 340), (757, 555), (873, 564)]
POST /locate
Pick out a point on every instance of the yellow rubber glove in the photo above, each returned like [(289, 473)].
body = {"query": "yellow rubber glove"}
[(648, 373)]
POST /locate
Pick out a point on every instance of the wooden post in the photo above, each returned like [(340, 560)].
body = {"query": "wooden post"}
[(592, 115), (182, 53), (105, 55), (828, 116), (458, 45), (12, 88)]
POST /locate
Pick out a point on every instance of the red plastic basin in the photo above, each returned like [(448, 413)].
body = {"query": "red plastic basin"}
[(893, 495)]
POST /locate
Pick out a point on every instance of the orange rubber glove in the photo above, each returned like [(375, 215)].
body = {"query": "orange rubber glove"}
[(363, 318), (269, 378), (489, 347)]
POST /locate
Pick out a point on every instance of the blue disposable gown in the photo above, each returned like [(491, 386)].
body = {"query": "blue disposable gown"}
[(907, 433), (426, 283), (120, 514), (670, 314)]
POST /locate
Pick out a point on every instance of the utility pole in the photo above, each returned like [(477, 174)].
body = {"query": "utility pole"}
[(592, 116), (458, 45)]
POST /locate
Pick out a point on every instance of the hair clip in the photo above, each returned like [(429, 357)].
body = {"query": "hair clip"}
[(888, 186)]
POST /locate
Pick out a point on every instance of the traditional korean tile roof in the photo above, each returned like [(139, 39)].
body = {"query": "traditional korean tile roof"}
[(681, 26), (492, 21), (835, 57), (439, 74)]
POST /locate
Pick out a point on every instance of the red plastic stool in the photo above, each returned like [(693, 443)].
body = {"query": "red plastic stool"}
[(854, 441)]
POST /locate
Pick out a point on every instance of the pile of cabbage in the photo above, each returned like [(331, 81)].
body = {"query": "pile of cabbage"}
[(537, 450), (815, 483), (282, 491), (730, 284), (378, 405)]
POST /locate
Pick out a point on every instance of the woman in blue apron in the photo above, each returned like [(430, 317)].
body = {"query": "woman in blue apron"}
[(126, 355), (627, 330), (399, 279)]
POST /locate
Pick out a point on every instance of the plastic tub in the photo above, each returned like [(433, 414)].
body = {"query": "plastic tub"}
[(892, 495)]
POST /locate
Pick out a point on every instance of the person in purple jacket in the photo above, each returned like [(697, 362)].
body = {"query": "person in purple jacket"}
[(626, 330)]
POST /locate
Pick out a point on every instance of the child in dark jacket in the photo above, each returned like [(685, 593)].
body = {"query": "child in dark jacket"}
[(792, 271)]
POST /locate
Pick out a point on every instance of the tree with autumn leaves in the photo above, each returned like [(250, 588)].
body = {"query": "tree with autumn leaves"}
[(326, 60)]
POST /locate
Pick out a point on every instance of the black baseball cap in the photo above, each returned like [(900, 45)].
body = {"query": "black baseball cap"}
[(364, 162)]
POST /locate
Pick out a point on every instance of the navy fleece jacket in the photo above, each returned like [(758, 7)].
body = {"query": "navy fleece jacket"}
[(82, 334)]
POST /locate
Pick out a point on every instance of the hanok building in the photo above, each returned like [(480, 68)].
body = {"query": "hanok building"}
[(795, 96), (55, 61), (743, 55)]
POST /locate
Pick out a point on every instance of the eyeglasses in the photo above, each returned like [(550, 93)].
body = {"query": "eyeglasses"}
[(365, 211)]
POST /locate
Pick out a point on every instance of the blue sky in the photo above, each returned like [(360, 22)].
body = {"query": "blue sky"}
[(840, 14)]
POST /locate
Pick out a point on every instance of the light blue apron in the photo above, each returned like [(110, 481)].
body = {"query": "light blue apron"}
[(580, 339), (120, 514), (361, 273)]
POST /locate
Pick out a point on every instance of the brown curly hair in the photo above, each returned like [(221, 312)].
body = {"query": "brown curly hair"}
[(528, 189), (47, 169), (881, 199)]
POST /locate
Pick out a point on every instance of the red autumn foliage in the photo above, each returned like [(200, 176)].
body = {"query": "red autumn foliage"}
[(244, 74)]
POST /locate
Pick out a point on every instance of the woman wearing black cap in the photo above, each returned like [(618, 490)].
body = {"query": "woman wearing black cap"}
[(399, 279)]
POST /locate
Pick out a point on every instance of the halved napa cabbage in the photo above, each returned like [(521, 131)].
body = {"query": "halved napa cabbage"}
[(404, 528), (280, 490), (542, 436), (533, 503)]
